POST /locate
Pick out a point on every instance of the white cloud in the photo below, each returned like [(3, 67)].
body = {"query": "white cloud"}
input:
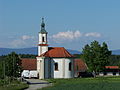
[(77, 34), (26, 37), (62, 37), (17, 43), (22, 41), (93, 34), (69, 35)]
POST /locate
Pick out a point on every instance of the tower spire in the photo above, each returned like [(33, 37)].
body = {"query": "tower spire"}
[(42, 20), (42, 46), (43, 27)]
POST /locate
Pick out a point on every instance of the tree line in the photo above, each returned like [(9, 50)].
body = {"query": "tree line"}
[(95, 55), (114, 60), (10, 65)]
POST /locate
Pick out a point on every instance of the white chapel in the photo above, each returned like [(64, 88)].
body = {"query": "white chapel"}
[(53, 62)]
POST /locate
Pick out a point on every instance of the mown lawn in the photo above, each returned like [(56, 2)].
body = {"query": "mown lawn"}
[(101, 83)]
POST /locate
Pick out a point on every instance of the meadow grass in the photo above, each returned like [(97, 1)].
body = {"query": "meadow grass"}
[(101, 83), (14, 85)]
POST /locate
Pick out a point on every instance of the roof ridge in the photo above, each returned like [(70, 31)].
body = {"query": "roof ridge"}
[(57, 52), (68, 53), (64, 51)]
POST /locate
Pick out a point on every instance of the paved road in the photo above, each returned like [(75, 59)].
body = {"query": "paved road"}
[(35, 84)]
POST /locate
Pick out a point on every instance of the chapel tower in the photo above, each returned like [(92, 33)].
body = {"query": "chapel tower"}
[(56, 62), (43, 44)]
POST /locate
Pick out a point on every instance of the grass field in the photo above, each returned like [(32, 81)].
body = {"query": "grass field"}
[(101, 83), (14, 85)]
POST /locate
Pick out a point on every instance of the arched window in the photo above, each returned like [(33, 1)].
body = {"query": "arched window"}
[(56, 66), (70, 66), (43, 39)]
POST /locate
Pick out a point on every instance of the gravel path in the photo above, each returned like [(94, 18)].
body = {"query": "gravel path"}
[(35, 84)]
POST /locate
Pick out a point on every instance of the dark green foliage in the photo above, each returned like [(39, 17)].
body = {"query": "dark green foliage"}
[(78, 55), (27, 56), (96, 56), (2, 57), (14, 85), (12, 65), (114, 60), (2, 67), (10, 69)]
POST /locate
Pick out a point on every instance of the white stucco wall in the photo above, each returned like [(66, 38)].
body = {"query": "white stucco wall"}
[(40, 38), (39, 51), (46, 69), (38, 64), (69, 73), (63, 68), (59, 72), (40, 67), (42, 49)]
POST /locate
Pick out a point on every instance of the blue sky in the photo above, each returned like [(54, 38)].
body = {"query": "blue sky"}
[(70, 23)]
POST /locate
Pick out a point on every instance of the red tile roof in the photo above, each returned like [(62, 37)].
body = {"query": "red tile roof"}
[(29, 64), (80, 65), (112, 67), (56, 52), (42, 44)]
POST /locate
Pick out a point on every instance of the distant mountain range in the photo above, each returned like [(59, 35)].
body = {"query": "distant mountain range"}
[(33, 50), (5, 51), (116, 52)]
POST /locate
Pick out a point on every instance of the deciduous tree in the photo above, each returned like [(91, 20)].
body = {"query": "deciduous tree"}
[(13, 65), (96, 56)]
